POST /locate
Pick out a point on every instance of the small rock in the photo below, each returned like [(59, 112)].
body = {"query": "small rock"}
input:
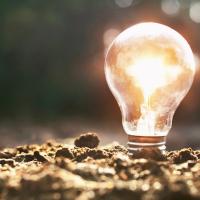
[(7, 161), (64, 152), (39, 157), (6, 155), (90, 140), (24, 158), (22, 149), (184, 155)]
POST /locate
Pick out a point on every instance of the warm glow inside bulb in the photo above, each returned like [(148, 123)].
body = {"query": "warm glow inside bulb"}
[(149, 69), (151, 73)]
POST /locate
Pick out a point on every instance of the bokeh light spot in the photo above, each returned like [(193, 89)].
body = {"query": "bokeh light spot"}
[(170, 7), (124, 3), (195, 12), (109, 36)]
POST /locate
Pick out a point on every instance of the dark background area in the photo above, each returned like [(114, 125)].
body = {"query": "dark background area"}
[(52, 67)]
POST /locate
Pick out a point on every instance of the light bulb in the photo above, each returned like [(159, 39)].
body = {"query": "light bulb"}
[(149, 68)]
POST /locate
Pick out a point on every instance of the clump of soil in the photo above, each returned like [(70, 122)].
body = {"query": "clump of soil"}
[(88, 172), (89, 140)]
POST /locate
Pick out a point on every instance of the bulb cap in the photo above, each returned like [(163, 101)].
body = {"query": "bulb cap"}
[(146, 144)]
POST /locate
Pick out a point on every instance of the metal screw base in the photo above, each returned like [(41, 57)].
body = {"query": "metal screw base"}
[(137, 144)]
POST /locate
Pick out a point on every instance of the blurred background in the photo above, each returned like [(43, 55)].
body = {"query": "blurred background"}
[(52, 79)]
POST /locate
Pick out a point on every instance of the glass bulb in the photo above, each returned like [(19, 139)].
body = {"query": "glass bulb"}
[(149, 68)]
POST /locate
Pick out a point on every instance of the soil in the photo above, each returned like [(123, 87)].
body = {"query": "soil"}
[(84, 171)]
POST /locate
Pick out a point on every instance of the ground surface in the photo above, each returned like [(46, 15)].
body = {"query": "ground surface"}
[(85, 171)]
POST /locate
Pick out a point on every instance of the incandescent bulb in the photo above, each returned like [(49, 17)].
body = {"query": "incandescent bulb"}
[(149, 69)]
